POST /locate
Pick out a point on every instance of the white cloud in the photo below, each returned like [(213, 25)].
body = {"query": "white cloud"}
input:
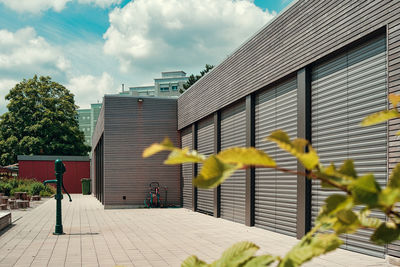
[(100, 3), (161, 33), (89, 89), (37, 6), (5, 86), (24, 51)]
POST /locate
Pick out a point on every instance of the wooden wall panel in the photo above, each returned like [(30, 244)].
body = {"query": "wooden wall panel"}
[(304, 33), (129, 127)]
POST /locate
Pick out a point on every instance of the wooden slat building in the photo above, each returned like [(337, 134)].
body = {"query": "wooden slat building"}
[(126, 126), (315, 71)]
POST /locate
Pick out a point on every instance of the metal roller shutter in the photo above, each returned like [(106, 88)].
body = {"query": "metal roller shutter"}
[(233, 190), (205, 145), (344, 91), (275, 192), (186, 141)]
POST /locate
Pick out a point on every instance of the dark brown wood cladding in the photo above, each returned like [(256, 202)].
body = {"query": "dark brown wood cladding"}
[(129, 127), (304, 33)]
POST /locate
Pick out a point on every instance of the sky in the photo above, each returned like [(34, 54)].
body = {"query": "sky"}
[(93, 46)]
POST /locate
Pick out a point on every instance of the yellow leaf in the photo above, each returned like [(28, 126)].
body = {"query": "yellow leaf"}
[(214, 172), (398, 133), (179, 156), (248, 156), (394, 99), (155, 148), (379, 117), (297, 148)]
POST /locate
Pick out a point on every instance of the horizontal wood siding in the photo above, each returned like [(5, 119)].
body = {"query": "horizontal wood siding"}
[(129, 127), (304, 33)]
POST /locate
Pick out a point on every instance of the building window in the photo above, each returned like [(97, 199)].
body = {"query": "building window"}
[(174, 87), (164, 89)]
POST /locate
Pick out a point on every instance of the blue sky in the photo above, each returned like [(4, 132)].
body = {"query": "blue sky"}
[(93, 46)]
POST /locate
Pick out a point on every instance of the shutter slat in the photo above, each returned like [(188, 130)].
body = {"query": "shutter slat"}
[(344, 91), (275, 192), (186, 141), (233, 134), (205, 145)]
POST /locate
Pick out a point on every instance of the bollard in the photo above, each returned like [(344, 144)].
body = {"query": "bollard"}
[(60, 169)]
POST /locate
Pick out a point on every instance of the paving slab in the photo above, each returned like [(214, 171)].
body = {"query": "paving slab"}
[(137, 237)]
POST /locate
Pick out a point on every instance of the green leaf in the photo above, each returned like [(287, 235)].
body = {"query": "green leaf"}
[(237, 254), (348, 168), (213, 173), (366, 190), (166, 144), (347, 222), (387, 232), (263, 260), (344, 176), (248, 156), (193, 261), (310, 247), (370, 222), (379, 117), (333, 202), (297, 148), (179, 156), (394, 180), (389, 196)]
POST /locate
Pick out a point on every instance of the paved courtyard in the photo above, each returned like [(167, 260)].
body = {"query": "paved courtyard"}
[(136, 237)]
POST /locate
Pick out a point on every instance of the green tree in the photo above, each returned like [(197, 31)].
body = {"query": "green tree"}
[(41, 119), (193, 79)]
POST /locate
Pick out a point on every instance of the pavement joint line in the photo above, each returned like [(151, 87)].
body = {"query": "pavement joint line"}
[(18, 233), (141, 237)]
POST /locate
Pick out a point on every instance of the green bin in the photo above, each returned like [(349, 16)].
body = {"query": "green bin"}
[(86, 186)]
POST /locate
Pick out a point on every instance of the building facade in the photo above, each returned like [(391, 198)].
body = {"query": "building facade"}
[(169, 85), (87, 119), (126, 126), (315, 71)]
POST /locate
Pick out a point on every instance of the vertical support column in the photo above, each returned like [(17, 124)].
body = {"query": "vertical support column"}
[(194, 167), (217, 148), (250, 172), (303, 131)]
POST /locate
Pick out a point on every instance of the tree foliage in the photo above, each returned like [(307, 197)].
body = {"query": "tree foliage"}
[(193, 79), (41, 119), (337, 216)]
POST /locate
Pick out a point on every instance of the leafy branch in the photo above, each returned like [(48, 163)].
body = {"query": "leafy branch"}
[(337, 214)]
